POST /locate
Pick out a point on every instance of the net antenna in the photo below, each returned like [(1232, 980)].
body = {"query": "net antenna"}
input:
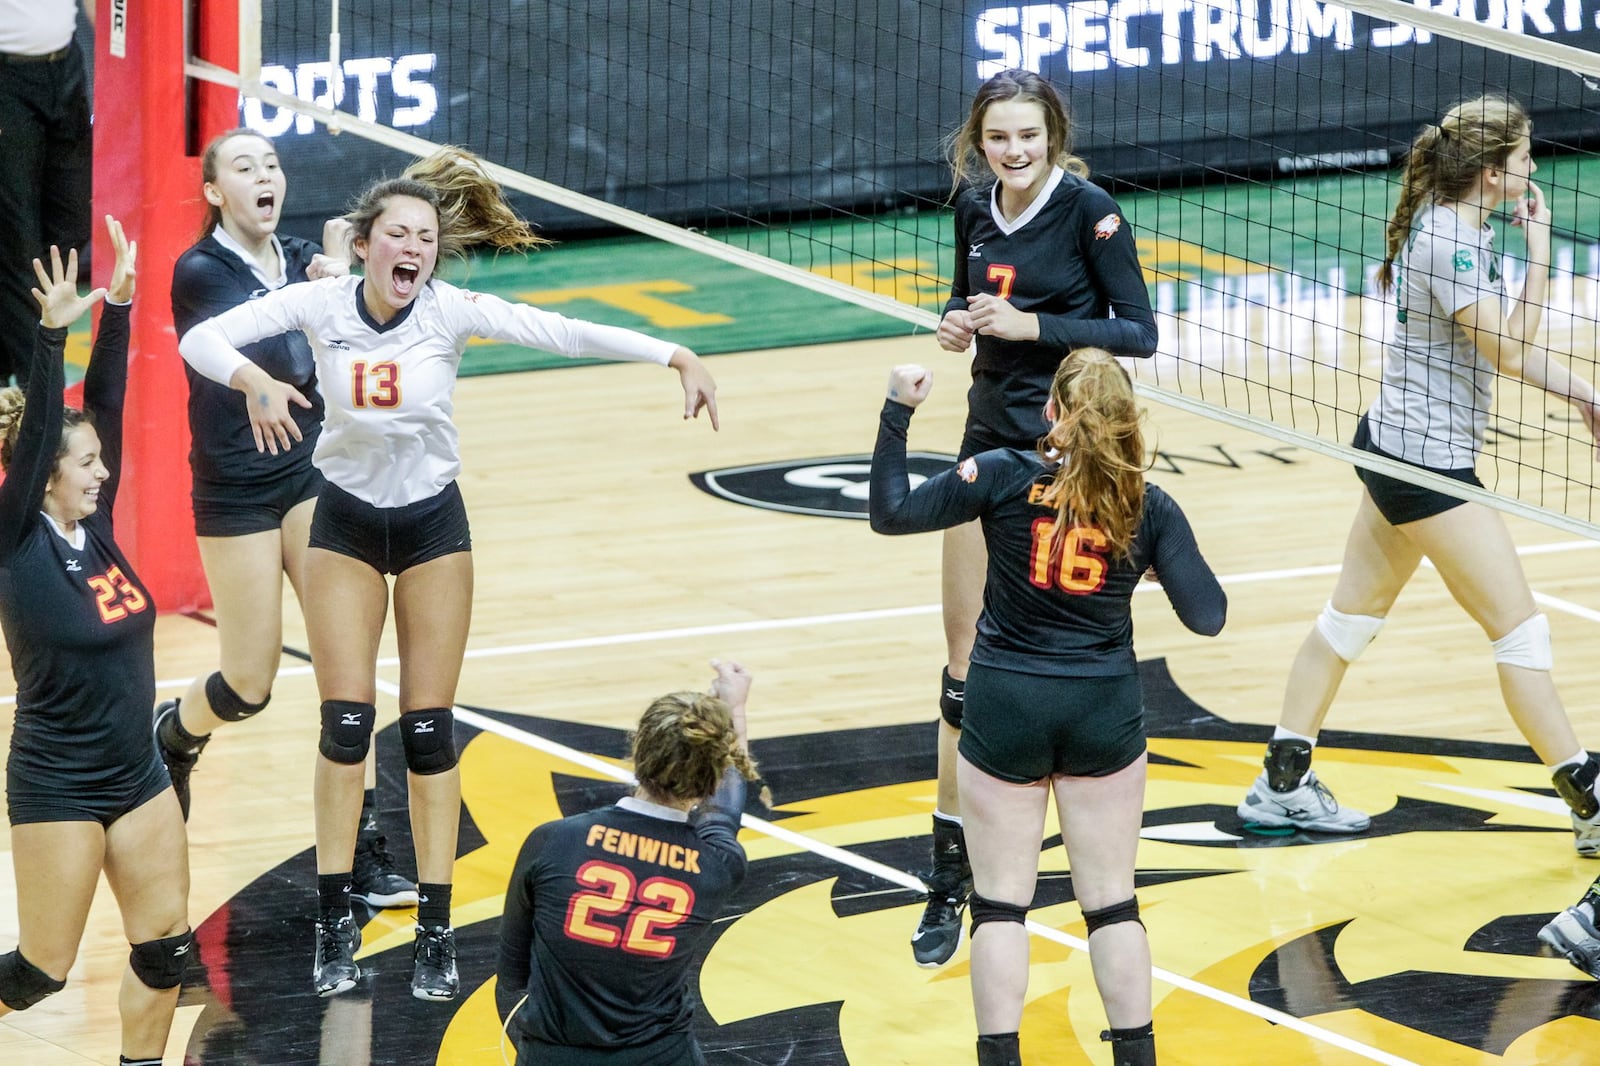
[(1250, 338)]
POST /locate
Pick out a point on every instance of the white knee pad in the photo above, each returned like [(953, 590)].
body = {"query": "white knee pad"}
[(1347, 634), (1527, 646)]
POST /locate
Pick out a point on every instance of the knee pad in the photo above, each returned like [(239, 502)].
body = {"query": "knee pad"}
[(160, 963), (1126, 911), (22, 984), (1527, 646), (952, 698), (429, 738), (346, 730), (989, 910), (1347, 634), (227, 704)]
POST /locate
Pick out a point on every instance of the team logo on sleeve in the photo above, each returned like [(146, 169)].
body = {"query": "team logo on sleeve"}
[(827, 488), (1107, 227), (1463, 261), (968, 470)]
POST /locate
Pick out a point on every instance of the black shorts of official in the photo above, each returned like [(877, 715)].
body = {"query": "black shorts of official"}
[(674, 1049), (46, 800), (239, 510), (1400, 501), (1025, 727), (391, 540)]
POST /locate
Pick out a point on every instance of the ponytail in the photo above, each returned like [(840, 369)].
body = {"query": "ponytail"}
[(1098, 439)]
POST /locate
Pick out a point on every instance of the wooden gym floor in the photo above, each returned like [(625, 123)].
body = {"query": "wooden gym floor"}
[(605, 577)]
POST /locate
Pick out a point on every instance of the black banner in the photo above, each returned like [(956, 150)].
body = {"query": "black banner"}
[(712, 112)]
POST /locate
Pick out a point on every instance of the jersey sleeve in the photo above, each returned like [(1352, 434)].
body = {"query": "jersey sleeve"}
[(716, 822), (958, 277), (201, 287), (1106, 242), (212, 346), (105, 387), (33, 453), (516, 929), (1192, 589), (485, 315), (1457, 274), (951, 498)]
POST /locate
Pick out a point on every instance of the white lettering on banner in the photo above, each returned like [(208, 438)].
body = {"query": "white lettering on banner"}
[(1091, 35), (415, 101), (118, 45)]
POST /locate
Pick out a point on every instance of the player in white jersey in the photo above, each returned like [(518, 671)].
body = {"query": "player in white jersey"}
[(1454, 334), (387, 347)]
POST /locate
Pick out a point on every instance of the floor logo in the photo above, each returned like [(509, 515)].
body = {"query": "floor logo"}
[(828, 488)]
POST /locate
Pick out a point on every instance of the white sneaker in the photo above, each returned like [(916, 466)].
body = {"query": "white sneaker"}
[(1586, 836), (1310, 806), (1572, 933)]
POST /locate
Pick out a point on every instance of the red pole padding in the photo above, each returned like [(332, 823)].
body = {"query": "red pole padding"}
[(145, 175)]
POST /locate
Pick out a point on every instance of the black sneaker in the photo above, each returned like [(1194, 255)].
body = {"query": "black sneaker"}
[(939, 933), (179, 763), (433, 964), (334, 969), (374, 880)]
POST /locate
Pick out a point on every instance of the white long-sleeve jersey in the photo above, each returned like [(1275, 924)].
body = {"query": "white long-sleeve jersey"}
[(389, 437)]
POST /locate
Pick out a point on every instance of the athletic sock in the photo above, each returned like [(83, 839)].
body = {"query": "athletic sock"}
[(1280, 733), (999, 1049), (433, 905), (333, 896)]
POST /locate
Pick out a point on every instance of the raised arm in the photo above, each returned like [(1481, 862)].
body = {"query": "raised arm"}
[(732, 686), (33, 455), (105, 383), (938, 503)]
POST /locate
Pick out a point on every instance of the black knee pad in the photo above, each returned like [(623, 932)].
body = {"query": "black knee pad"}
[(429, 738), (1126, 911), (346, 730), (952, 698), (22, 984), (227, 704), (989, 910), (160, 963)]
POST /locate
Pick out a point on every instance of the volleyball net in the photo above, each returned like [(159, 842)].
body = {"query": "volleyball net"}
[(1254, 146)]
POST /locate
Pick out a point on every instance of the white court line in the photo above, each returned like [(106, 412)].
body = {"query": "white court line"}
[(876, 869), (845, 617), (905, 880)]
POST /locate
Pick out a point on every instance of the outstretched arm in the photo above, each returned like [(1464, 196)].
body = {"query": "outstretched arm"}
[(33, 455), (105, 384), (212, 348)]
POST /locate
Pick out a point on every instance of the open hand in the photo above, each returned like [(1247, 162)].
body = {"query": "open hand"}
[(59, 303), (123, 274)]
